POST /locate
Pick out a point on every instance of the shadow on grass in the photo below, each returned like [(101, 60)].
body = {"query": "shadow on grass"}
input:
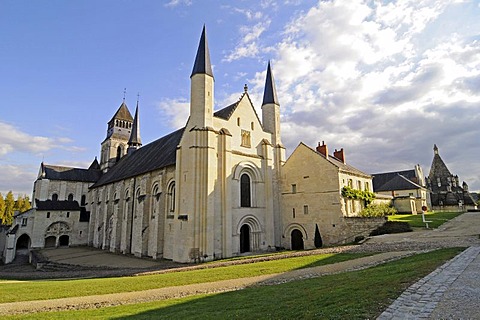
[(354, 295)]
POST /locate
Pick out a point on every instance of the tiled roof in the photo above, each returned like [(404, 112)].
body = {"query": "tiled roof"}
[(69, 174), (155, 155)]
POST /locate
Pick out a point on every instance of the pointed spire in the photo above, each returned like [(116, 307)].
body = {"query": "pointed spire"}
[(135, 140), (270, 93), (202, 60), (435, 149)]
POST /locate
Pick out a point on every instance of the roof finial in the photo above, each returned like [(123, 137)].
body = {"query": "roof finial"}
[(245, 88), (124, 93)]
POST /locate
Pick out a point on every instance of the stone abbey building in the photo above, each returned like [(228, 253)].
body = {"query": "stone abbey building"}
[(216, 188)]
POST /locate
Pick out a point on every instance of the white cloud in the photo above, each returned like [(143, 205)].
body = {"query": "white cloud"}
[(17, 178), (175, 3), (248, 46), (176, 111), (357, 75), (13, 139)]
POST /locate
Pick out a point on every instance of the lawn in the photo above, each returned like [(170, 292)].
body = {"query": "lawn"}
[(48, 289), (354, 295), (415, 220)]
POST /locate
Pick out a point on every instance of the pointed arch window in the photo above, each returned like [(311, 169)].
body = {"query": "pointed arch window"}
[(171, 197), (245, 191), (119, 153), (54, 197), (70, 197)]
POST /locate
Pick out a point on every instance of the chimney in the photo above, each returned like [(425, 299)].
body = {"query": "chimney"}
[(323, 149), (340, 155)]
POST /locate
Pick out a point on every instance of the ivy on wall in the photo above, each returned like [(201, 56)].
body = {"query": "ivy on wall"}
[(355, 194)]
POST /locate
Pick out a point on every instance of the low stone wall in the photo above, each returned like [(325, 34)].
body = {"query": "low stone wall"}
[(361, 227)]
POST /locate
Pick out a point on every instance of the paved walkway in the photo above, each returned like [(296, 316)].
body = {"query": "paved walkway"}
[(452, 291)]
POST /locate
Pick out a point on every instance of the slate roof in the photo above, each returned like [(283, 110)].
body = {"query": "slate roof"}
[(135, 139), (396, 180), (122, 113), (70, 174), (155, 155), (270, 92), (338, 163), (57, 205), (202, 63), (226, 112)]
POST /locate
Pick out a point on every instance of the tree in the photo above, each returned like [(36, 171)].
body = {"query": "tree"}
[(22, 204), (318, 238), (7, 218), (2, 208)]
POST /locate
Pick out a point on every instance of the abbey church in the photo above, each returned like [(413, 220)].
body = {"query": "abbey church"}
[(218, 187)]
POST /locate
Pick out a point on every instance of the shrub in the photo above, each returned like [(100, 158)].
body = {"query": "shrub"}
[(392, 227), (378, 210), (355, 194)]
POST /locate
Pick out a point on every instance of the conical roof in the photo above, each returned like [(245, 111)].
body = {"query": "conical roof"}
[(135, 139), (439, 168), (202, 60), (270, 92)]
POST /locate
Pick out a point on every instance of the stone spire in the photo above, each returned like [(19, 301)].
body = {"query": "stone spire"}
[(135, 141), (270, 92), (202, 60)]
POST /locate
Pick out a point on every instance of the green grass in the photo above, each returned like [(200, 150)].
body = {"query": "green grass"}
[(415, 221), (354, 295), (48, 289)]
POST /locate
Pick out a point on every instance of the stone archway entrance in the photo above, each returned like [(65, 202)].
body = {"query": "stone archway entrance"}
[(23, 242), (50, 242), (63, 241), (245, 238), (297, 240)]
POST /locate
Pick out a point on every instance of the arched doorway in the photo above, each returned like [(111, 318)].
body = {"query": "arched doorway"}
[(297, 240), (23, 242), (50, 242), (63, 240), (245, 239)]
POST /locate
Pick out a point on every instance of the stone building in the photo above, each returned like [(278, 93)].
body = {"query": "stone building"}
[(314, 211), (446, 192), (407, 189), (212, 189)]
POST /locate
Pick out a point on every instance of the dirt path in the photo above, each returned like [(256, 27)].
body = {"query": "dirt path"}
[(99, 301)]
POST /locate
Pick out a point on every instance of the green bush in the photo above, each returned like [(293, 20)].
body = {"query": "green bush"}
[(391, 227), (378, 210)]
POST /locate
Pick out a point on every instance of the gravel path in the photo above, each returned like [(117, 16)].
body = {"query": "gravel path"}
[(99, 301)]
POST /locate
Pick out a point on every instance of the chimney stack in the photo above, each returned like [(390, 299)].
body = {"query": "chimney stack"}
[(323, 149), (340, 155)]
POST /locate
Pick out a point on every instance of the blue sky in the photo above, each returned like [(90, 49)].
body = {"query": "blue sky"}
[(385, 80)]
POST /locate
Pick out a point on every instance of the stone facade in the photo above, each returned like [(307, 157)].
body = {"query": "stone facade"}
[(312, 201)]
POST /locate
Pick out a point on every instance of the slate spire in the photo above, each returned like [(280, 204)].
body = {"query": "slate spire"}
[(202, 60), (270, 93), (135, 140)]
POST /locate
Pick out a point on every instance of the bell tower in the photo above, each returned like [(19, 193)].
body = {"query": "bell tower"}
[(115, 145)]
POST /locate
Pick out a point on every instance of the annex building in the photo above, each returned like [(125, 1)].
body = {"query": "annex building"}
[(216, 188)]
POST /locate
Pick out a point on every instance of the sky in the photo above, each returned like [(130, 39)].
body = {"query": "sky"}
[(385, 80)]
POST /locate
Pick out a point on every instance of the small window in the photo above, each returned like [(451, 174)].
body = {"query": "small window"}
[(68, 214), (238, 121), (350, 183), (252, 125), (367, 186), (305, 209), (84, 200), (294, 188), (24, 222), (54, 197), (359, 185), (245, 197), (48, 214), (293, 213), (70, 197)]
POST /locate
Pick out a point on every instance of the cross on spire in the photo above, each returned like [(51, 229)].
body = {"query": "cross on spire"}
[(124, 93)]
